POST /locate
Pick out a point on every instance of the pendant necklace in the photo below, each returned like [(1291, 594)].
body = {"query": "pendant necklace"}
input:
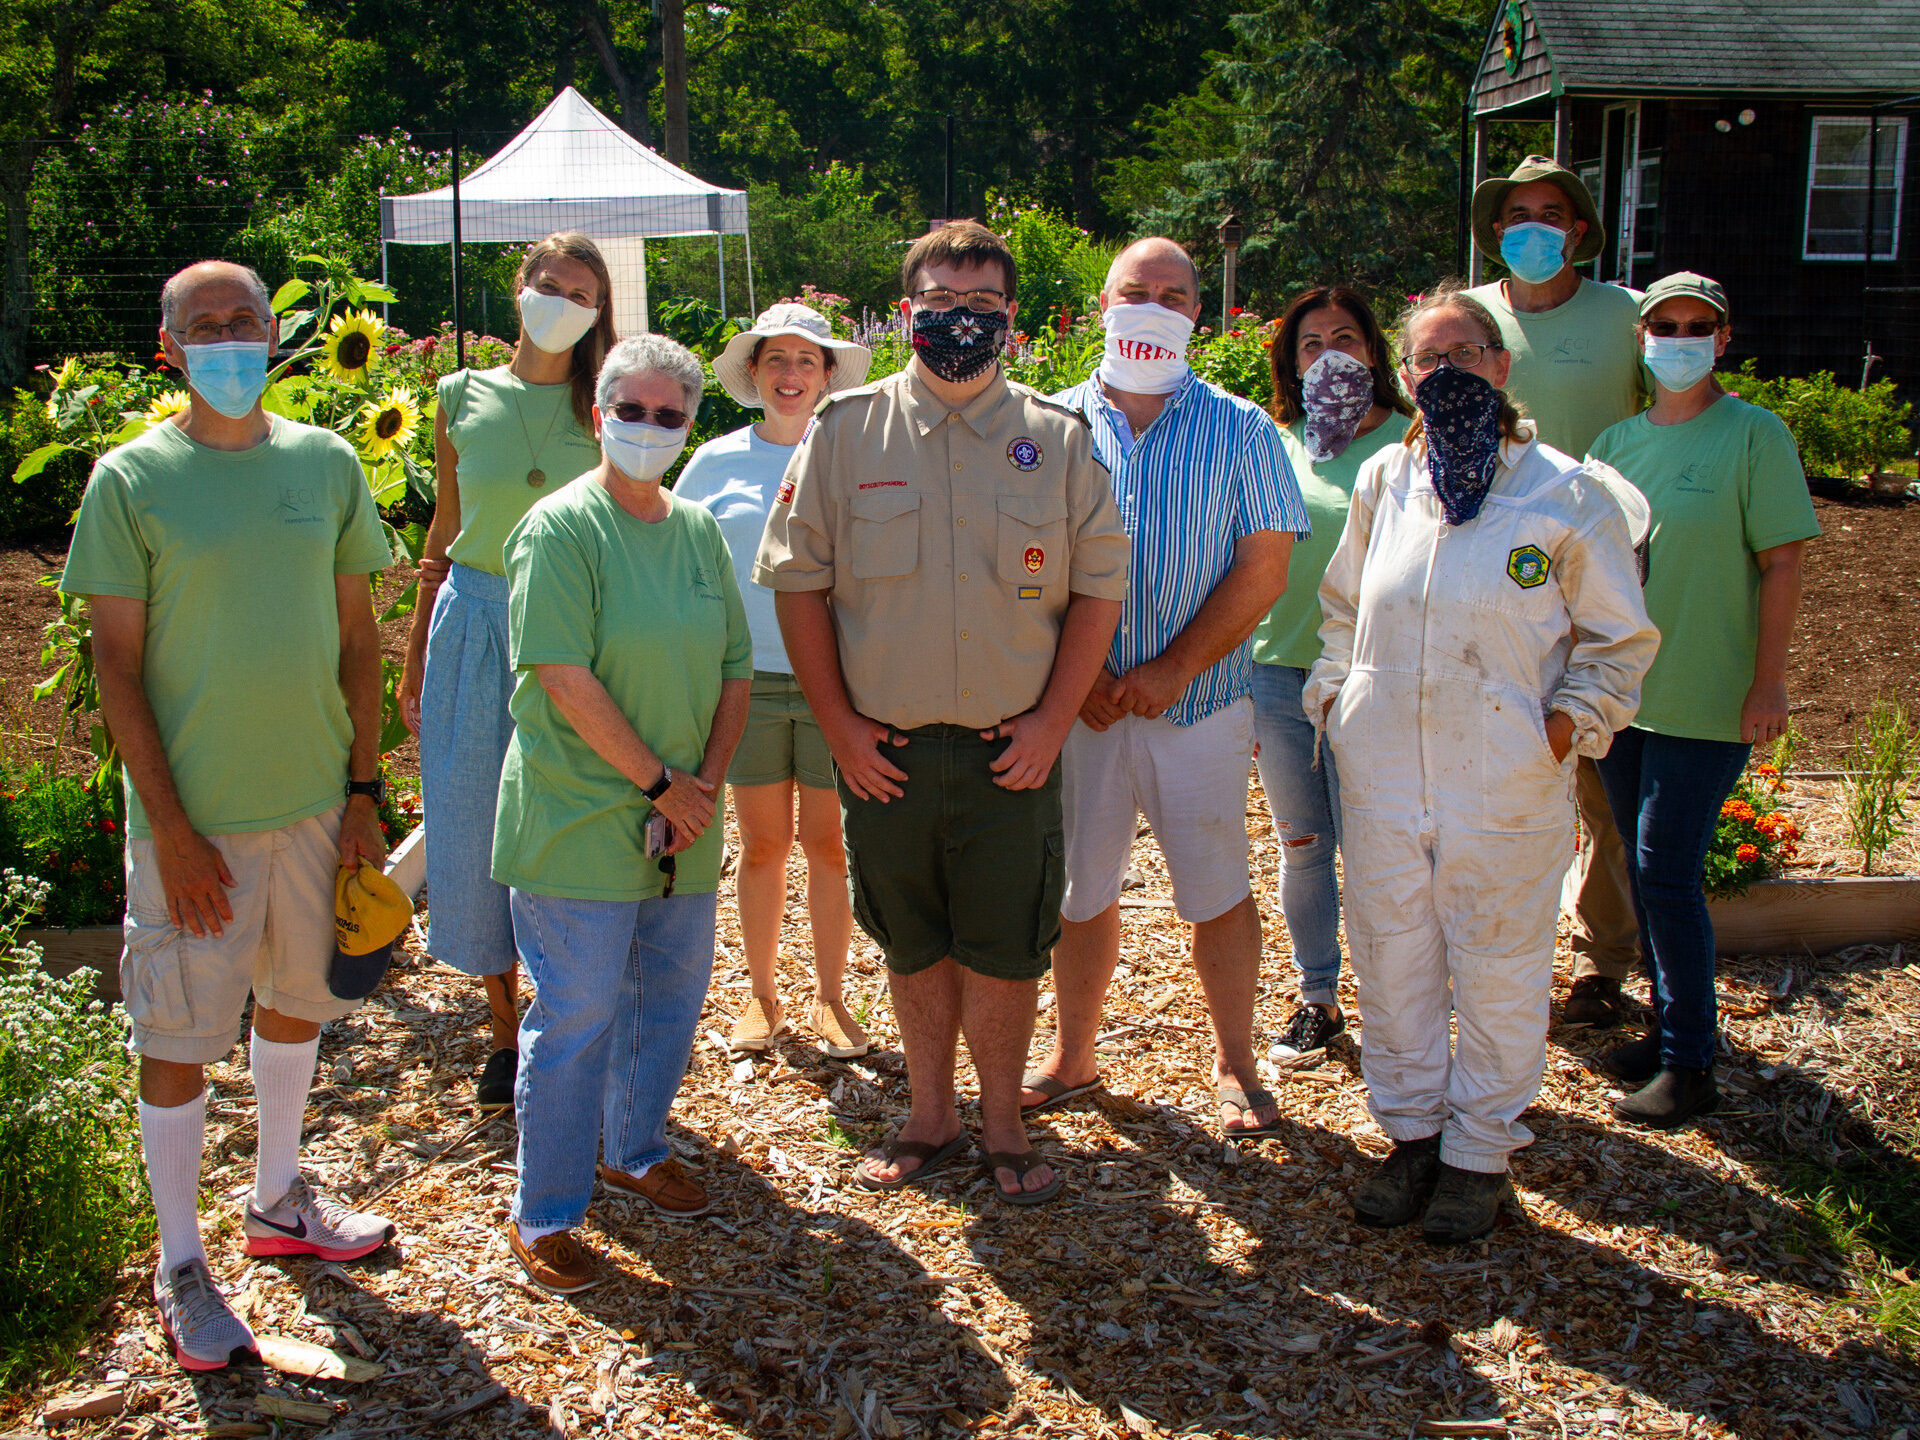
[(536, 477)]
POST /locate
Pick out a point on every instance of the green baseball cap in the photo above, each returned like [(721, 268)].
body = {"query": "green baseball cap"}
[(1684, 282)]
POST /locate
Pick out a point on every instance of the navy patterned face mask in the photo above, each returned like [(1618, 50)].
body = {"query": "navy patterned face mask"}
[(1460, 420), (958, 344)]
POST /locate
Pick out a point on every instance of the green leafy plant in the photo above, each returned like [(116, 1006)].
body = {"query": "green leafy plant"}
[(70, 831), (1881, 762), (1753, 839), (71, 1183), (1787, 747), (840, 1135), (1238, 360), (1839, 431)]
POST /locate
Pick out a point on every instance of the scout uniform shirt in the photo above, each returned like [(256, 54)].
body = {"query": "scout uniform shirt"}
[(950, 539)]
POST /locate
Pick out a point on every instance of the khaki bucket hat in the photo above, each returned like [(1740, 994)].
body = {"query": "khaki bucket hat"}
[(1490, 195), (850, 361)]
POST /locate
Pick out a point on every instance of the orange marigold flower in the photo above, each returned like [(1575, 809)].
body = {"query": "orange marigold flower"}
[(1736, 810), (1766, 770), (1747, 854)]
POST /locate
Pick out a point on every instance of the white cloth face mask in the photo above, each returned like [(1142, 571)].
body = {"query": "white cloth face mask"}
[(641, 451), (1146, 349), (553, 322)]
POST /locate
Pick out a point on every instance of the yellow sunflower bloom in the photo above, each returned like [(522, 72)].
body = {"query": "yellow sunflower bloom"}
[(68, 375), (350, 344), (171, 403), (387, 424)]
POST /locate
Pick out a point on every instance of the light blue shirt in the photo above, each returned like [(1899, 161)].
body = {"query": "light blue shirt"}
[(735, 477), (1208, 471)]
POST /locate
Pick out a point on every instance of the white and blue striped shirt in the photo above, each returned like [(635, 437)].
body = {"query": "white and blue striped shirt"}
[(1208, 471)]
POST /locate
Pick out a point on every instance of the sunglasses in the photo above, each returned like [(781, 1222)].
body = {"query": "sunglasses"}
[(1665, 329), (665, 416)]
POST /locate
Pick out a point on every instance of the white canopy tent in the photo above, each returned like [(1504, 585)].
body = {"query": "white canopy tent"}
[(574, 169)]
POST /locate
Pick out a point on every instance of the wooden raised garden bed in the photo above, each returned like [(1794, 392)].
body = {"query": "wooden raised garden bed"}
[(1793, 916)]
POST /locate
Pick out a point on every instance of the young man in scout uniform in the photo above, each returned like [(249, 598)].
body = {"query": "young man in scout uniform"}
[(949, 566), (226, 555), (1576, 370)]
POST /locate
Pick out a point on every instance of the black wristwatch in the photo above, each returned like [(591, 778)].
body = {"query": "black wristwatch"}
[(660, 786), (375, 789)]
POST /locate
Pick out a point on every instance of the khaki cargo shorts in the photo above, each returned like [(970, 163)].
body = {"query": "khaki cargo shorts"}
[(186, 992)]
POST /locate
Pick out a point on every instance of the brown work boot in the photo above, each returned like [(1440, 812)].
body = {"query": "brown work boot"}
[(840, 1034), (554, 1262), (1465, 1205), (1400, 1186), (666, 1187), (1594, 1000)]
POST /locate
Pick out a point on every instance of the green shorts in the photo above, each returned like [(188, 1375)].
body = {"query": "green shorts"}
[(957, 865), (782, 739)]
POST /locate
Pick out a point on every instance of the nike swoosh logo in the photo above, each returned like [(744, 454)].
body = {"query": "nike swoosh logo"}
[(298, 1232)]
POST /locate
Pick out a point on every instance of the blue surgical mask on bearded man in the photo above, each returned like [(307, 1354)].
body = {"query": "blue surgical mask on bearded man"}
[(1534, 252)]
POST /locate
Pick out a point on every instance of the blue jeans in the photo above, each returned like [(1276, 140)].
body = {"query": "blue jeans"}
[(619, 985), (1305, 801), (1665, 792)]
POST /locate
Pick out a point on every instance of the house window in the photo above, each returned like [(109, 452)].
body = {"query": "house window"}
[(1837, 187)]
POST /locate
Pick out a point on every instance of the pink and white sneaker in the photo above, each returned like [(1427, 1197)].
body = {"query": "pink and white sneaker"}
[(305, 1222), (199, 1324)]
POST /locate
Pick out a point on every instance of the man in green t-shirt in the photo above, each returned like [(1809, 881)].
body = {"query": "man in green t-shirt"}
[(225, 552), (1576, 370)]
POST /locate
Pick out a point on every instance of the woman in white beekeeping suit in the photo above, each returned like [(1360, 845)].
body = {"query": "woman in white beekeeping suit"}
[(1483, 627)]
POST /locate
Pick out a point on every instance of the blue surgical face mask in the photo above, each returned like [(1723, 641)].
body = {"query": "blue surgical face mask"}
[(1534, 252), (229, 375), (1680, 362)]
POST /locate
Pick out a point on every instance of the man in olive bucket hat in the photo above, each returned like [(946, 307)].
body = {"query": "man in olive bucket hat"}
[(1576, 370)]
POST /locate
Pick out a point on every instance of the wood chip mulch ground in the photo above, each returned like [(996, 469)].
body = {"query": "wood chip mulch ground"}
[(1645, 1284)]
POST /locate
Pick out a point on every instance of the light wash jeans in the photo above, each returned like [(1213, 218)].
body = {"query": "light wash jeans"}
[(1304, 800), (619, 985)]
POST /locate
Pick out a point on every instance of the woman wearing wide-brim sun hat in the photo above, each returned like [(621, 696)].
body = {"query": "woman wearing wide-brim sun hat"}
[(783, 366)]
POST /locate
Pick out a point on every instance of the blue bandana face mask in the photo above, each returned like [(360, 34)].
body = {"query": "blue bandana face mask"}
[(1534, 252), (1460, 421), (229, 376)]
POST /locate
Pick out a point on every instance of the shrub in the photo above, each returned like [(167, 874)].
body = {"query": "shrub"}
[(1880, 764), (71, 1182), (70, 832), (1839, 431), (1238, 360), (1753, 838), (1061, 267)]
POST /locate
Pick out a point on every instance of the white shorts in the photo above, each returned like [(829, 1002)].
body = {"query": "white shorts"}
[(186, 993), (1190, 781)]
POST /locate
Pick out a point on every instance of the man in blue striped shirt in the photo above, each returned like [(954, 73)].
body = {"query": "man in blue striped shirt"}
[(1211, 510)]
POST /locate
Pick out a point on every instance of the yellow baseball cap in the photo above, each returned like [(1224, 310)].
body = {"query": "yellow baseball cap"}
[(370, 912)]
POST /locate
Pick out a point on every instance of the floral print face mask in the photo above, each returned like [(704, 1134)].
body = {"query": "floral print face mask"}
[(1337, 392), (1460, 420)]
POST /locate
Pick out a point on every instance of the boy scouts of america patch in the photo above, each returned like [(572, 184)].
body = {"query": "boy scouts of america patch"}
[(1035, 558), (784, 493), (1024, 454), (1528, 566)]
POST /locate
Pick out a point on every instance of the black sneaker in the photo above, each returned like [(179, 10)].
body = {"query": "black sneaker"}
[(495, 1091), (1594, 1000), (1673, 1097), (1464, 1206), (1310, 1029), (1397, 1191), (1635, 1062)]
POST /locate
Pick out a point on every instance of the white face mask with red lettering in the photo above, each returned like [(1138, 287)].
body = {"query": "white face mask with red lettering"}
[(1146, 352)]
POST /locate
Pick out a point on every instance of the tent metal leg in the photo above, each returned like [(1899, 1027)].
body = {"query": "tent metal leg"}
[(383, 280), (753, 307), (720, 249)]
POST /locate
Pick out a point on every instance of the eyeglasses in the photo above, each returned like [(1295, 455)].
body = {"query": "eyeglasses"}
[(1695, 328), (247, 329), (1460, 357), (665, 416), (981, 302)]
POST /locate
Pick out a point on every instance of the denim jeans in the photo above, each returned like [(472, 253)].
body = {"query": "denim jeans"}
[(1666, 792), (619, 985), (1304, 800)]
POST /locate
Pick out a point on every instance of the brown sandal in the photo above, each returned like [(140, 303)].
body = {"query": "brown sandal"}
[(930, 1156), (1020, 1162)]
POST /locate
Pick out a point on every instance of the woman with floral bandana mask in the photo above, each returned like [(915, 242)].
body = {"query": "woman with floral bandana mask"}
[(1333, 394), (1483, 626)]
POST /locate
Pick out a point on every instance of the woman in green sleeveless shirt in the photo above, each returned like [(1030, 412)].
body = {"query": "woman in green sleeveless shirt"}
[(502, 439)]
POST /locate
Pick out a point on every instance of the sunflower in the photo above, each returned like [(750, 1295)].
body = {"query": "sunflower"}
[(170, 403), (387, 424), (68, 375), (349, 346)]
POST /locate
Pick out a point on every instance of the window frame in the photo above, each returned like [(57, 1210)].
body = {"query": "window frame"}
[(1898, 124)]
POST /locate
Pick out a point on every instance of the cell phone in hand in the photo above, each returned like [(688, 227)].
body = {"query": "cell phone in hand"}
[(659, 835)]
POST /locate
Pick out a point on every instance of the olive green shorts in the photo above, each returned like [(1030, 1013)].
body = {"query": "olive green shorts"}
[(782, 739), (957, 865)]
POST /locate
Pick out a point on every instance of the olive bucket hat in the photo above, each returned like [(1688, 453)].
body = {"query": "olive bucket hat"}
[(1490, 195)]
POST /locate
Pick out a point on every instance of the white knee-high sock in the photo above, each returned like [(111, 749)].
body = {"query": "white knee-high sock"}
[(282, 1075), (172, 1138)]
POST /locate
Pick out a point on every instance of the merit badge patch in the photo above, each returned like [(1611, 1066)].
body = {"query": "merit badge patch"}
[(1528, 566), (1024, 454), (784, 493), (1029, 592), (1035, 558)]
